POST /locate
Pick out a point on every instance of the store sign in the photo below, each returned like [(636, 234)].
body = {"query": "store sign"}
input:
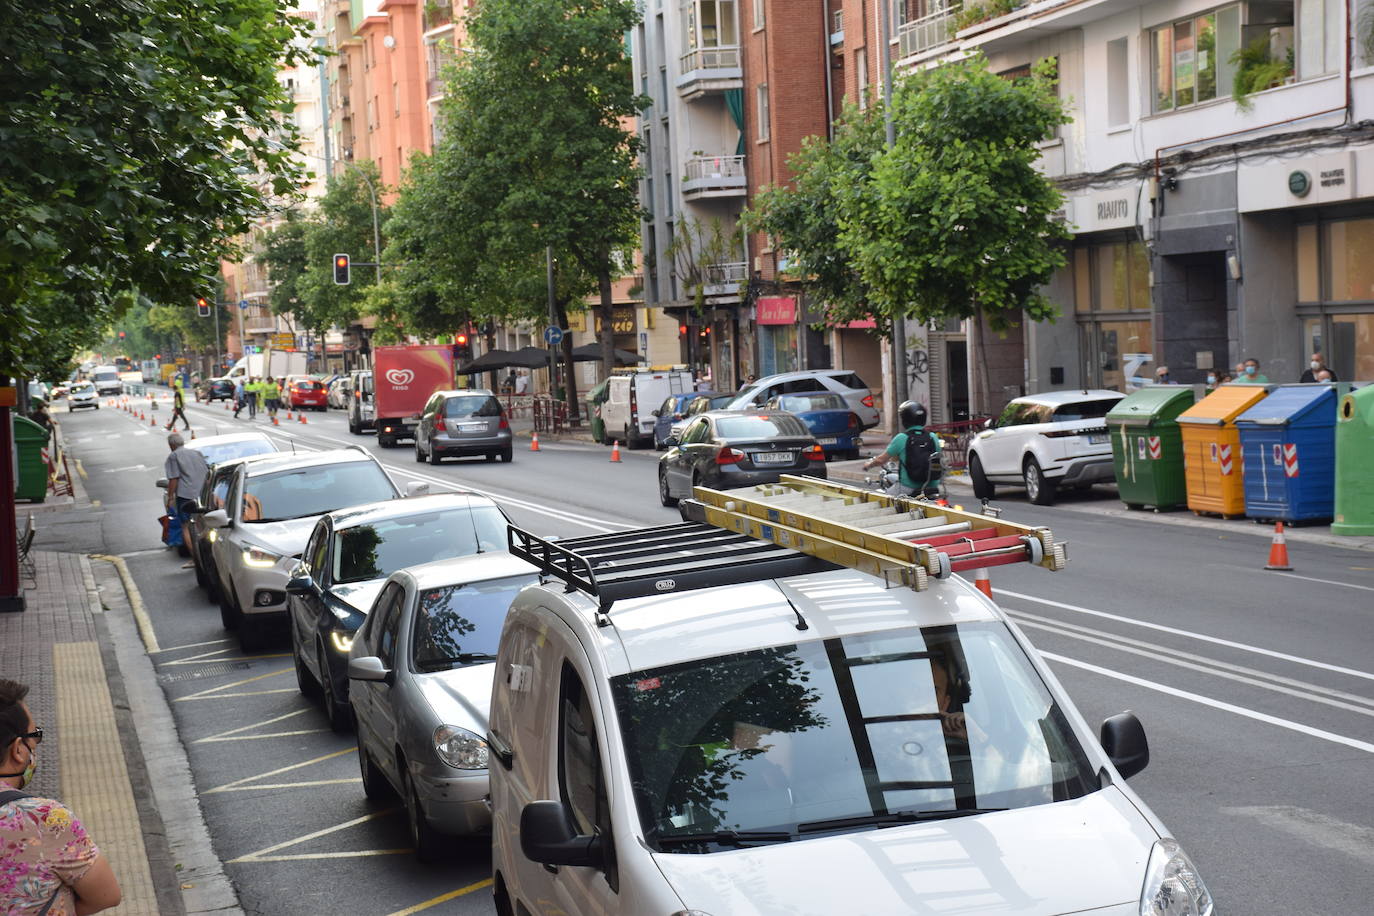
[(622, 321), (1112, 209), (777, 310), (1303, 182)]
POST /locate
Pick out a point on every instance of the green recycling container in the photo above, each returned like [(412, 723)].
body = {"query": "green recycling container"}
[(1147, 446), (29, 440), (1354, 457)]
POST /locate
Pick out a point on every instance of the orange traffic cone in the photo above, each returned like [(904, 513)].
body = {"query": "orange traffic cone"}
[(152, 421), (288, 415), (615, 450), (982, 582), (274, 422), (301, 417), (1278, 551), (534, 442)]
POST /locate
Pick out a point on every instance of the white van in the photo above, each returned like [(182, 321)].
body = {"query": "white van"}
[(632, 395), (107, 381), (693, 721)]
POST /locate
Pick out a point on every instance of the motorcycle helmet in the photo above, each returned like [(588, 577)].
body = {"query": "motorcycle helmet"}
[(911, 414)]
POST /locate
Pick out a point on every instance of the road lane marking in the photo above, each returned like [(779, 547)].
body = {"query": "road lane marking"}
[(1201, 637), (247, 680), (80, 469), (193, 645), (358, 780), (1288, 575), (605, 526), (193, 659), (286, 769), (231, 734), (1238, 673), (1314, 829), (303, 731), (1334, 738), (443, 898), (264, 854), (241, 693)]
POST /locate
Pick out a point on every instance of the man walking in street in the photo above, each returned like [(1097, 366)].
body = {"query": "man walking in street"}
[(186, 471), (270, 393), (240, 395), (917, 451), (178, 405), (252, 392)]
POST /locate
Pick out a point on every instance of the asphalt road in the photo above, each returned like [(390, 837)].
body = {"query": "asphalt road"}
[(1255, 688)]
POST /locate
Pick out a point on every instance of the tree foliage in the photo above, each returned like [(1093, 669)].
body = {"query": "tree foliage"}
[(341, 224), (136, 137)]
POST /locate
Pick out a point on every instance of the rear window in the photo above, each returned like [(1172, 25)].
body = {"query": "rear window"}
[(1085, 410), (472, 405), (799, 402), (763, 426), (850, 380), (308, 385)]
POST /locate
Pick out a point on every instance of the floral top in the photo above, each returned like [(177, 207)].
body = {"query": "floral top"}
[(43, 850)]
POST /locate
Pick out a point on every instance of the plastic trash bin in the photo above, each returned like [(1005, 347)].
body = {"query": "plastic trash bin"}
[(1354, 510), (32, 473), (1288, 454), (1211, 449), (595, 398), (1147, 446)]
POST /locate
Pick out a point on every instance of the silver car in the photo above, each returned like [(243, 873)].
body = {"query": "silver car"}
[(839, 381), (82, 394), (421, 672), (466, 421)]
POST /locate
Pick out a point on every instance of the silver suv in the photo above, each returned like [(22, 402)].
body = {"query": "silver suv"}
[(840, 381), (1044, 441)]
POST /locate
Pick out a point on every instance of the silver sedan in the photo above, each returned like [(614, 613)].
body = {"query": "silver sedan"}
[(421, 676)]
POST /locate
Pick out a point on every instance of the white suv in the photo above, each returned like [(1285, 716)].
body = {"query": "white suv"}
[(1044, 441), (840, 381)]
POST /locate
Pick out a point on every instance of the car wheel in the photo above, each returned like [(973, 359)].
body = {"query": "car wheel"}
[(625, 438), (340, 715), (212, 590), (228, 613), (663, 495), (425, 837), (375, 785), (491, 456), (982, 487), (508, 455), (305, 681), (433, 455), (1038, 489), (384, 442), (201, 578), (353, 428)]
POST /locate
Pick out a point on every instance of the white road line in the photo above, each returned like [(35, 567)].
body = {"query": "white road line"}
[(1201, 637), (1288, 575), (305, 783), (303, 731), (286, 769), (190, 645), (605, 526), (241, 693), (1216, 704), (219, 736), (258, 856)]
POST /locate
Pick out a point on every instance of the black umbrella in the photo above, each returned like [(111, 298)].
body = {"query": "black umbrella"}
[(529, 358), (489, 361), (592, 352)]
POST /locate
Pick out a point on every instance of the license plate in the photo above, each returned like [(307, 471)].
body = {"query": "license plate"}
[(471, 427), (829, 440), (1097, 438), (773, 458)]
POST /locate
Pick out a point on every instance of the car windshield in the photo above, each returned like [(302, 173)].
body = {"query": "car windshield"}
[(225, 451), (377, 550), (82, 388), (472, 405), (1085, 410), (314, 491), (107, 375), (762, 426), (844, 733), (803, 402), (307, 385), (461, 624)]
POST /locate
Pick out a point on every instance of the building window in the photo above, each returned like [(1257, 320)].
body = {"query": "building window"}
[(762, 96), (1112, 303), (861, 74), (758, 14), (709, 24), (1118, 83), (1336, 293)]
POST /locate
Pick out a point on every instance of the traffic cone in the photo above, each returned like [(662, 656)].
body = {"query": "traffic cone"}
[(288, 415), (300, 416), (274, 422), (982, 582), (615, 450), (152, 421), (1278, 551), (534, 442)]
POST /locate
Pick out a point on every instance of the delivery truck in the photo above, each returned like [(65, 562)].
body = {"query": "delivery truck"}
[(403, 378)]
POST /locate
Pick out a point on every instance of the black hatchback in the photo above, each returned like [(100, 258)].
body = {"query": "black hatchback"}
[(217, 389), (723, 449)]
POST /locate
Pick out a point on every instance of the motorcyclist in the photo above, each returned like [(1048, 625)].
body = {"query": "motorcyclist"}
[(912, 481)]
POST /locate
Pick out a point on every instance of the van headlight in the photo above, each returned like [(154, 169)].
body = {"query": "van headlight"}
[(460, 748), (1173, 886), (259, 558)]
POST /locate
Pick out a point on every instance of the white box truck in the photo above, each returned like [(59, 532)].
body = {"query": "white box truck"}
[(632, 395)]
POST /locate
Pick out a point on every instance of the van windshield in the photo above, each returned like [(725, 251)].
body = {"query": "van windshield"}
[(848, 733), (105, 375)]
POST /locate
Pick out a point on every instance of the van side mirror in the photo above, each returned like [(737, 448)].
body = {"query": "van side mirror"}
[(547, 836), (1123, 738)]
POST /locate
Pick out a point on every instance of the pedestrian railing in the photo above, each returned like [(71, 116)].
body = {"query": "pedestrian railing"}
[(954, 440), (517, 406), (550, 415)]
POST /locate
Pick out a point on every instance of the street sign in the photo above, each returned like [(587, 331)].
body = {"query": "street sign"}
[(243, 303), (281, 341), (553, 336)]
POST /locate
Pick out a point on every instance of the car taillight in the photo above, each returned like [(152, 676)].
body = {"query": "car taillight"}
[(814, 453), (1064, 433), (503, 424), (728, 455), (854, 421), (867, 401)]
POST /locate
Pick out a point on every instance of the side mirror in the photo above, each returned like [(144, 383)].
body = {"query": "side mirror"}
[(217, 518), (1123, 738), (300, 583), (417, 488), (655, 412), (547, 836), (162, 483), (990, 423), (671, 441), (196, 510), (368, 668)]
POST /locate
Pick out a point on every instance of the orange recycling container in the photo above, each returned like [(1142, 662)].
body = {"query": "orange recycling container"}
[(1211, 449)]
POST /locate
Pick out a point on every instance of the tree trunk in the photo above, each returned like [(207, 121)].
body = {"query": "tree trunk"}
[(983, 403), (570, 380), (607, 310)]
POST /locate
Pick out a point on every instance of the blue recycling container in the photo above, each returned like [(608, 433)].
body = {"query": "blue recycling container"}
[(1288, 454)]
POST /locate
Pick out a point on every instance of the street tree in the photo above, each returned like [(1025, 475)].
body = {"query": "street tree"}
[(138, 138)]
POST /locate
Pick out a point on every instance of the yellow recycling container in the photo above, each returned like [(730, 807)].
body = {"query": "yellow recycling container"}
[(1211, 449)]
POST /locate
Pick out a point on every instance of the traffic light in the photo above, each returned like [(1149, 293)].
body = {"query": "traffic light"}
[(202, 306), (462, 349), (341, 269)]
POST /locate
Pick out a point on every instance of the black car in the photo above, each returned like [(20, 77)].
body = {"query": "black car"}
[(216, 389), (346, 562), (722, 449)]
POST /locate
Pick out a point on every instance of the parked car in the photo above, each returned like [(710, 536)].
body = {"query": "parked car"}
[(82, 394), (346, 561), (303, 391), (212, 495), (736, 448), (837, 428), (338, 393), (362, 415), (701, 404), (422, 674), (1045, 441), (216, 389), (465, 421), (840, 381), (269, 511), (673, 411), (632, 395)]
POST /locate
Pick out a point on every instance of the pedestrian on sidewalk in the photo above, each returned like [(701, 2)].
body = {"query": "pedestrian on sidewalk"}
[(1252, 373), (186, 471), (178, 405), (917, 451), (49, 865)]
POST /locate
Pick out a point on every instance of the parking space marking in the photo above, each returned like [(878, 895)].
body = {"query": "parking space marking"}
[(264, 854), (213, 693), (236, 734), (229, 786), (443, 898), (303, 784), (200, 659), (241, 693), (1216, 704), (190, 645)]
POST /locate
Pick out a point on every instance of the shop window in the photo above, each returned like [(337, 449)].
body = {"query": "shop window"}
[(1336, 294), (1349, 269), (1112, 302), (1308, 267)]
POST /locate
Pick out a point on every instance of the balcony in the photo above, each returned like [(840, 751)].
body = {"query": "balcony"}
[(930, 31), (709, 70), (714, 176), (725, 279)]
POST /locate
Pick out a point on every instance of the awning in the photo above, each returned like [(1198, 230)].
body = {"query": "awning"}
[(529, 358), (487, 362), (592, 352)]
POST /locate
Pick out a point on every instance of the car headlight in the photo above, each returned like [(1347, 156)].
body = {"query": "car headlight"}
[(341, 641), (460, 748), (1173, 886), (212, 535), (259, 558)]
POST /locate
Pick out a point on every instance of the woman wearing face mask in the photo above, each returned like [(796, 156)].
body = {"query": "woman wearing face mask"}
[(49, 865)]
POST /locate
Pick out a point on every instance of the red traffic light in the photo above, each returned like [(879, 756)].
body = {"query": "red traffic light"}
[(341, 265), (682, 329), (461, 339), (157, 356), (121, 335), (203, 307)]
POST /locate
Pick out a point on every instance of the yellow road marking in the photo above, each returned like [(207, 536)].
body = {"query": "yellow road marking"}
[(247, 680), (258, 856), (195, 645), (244, 728), (443, 898), (303, 731), (95, 503), (145, 623), (190, 659), (292, 785), (285, 769), (241, 693), (80, 470), (200, 659)]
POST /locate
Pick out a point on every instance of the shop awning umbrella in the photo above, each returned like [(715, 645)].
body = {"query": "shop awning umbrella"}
[(489, 361), (592, 352), (529, 358)]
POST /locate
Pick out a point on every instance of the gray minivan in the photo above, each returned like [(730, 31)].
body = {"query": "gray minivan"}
[(464, 421)]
